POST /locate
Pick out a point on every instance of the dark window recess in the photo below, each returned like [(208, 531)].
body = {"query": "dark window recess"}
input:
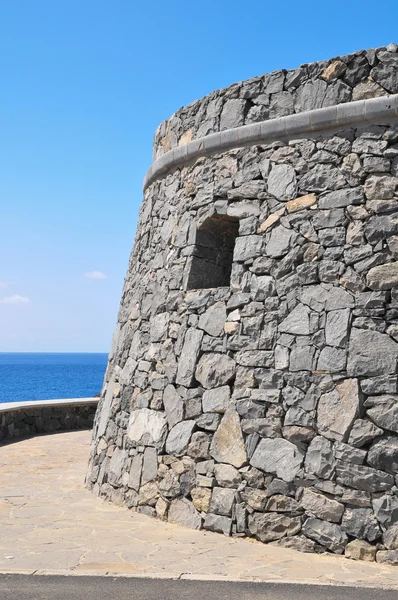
[(211, 262)]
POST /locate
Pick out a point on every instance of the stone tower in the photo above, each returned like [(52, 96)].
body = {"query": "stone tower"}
[(252, 382)]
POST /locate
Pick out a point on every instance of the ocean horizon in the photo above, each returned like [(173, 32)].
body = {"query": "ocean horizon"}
[(26, 376)]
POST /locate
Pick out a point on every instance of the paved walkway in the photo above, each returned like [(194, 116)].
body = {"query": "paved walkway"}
[(49, 523)]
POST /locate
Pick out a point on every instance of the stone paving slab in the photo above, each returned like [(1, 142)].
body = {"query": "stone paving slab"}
[(50, 524)]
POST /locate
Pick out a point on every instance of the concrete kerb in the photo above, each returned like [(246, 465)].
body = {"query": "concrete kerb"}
[(178, 576), (328, 118)]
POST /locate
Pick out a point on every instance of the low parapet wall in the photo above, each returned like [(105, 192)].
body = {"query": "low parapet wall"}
[(45, 416)]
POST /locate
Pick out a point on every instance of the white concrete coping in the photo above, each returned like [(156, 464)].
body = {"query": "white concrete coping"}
[(38, 404), (374, 111)]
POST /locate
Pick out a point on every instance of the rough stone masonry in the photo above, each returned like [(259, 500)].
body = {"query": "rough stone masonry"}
[(252, 382)]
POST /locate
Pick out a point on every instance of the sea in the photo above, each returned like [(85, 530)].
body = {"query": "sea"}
[(48, 376)]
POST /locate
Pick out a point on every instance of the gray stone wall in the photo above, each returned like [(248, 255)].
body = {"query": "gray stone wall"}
[(269, 407), (358, 76), (48, 419)]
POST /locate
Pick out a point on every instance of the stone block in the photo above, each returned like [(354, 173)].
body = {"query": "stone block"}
[(183, 512), (179, 438), (189, 356), (218, 523), (227, 445), (278, 456), (222, 501), (326, 534), (371, 353), (216, 400), (268, 527), (215, 370), (321, 507), (360, 550)]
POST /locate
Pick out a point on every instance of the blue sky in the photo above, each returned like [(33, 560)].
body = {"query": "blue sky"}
[(84, 85)]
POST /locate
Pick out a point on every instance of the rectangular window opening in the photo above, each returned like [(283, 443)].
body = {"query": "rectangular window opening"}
[(211, 263)]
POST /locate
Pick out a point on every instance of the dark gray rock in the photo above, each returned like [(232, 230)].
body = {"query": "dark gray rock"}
[(357, 498), (384, 384), (336, 331), (215, 370), (150, 465), (278, 456), (147, 427), (199, 445), (303, 358), (222, 501), (248, 246), (361, 523), (383, 277), (233, 114), (173, 405), (179, 438), (183, 512), (341, 198), (212, 321), (254, 498), (327, 534), (321, 507), (281, 504), (362, 432), (383, 454), (320, 459), (134, 480), (280, 241), (386, 77), (159, 327), (189, 356), (216, 400), (218, 523), (390, 537), (298, 322), (282, 183), (272, 526), (348, 453), (227, 476), (386, 510), (208, 421), (384, 411), (363, 478), (249, 189), (371, 353)]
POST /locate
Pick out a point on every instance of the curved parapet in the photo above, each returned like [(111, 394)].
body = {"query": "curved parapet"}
[(344, 79), (45, 416), (252, 382)]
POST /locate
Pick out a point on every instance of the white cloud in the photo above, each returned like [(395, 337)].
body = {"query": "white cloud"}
[(95, 275), (15, 299), (5, 284)]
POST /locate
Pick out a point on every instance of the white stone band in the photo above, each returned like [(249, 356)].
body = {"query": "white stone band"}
[(374, 110)]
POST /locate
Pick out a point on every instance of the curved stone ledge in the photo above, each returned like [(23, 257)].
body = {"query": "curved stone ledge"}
[(374, 110), (44, 416)]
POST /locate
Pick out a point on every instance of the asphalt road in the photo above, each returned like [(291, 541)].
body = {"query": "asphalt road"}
[(46, 587)]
